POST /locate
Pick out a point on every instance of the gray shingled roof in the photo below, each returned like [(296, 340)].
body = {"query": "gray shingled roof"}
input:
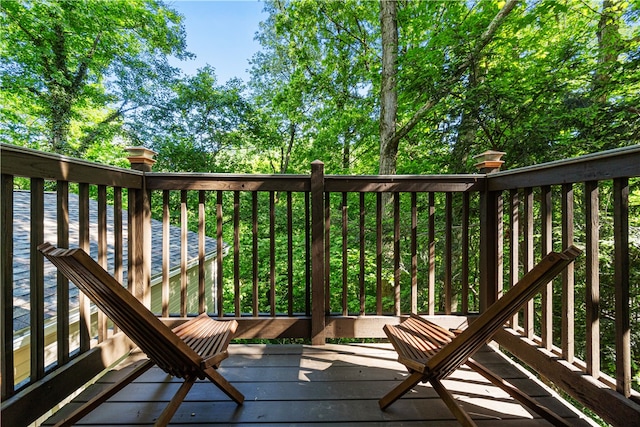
[(21, 242)]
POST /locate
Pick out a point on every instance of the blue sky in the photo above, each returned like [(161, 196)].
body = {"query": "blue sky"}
[(221, 34)]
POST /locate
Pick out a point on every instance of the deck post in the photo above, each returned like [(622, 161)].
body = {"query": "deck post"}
[(490, 216), (318, 321), (139, 239)]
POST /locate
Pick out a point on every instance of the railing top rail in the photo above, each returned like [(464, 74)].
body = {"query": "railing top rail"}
[(333, 183), (25, 162), (610, 164), (404, 183), (227, 182)]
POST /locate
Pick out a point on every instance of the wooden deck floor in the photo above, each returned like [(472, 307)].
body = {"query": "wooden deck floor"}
[(330, 385)]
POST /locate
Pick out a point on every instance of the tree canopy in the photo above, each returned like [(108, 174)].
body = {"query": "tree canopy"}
[(72, 69), (539, 80)]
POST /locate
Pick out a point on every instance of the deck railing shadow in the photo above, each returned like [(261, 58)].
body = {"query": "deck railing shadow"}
[(322, 256)]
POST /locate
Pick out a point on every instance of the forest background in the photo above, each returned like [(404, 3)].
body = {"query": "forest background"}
[(368, 87)]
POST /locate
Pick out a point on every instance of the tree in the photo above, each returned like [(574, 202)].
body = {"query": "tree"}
[(197, 125), (314, 77), (454, 63), (59, 58), (388, 90)]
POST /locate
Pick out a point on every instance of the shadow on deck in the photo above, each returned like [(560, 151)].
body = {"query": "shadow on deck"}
[(332, 385)]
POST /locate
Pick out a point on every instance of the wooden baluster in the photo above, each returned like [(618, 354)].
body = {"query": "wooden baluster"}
[(592, 265)]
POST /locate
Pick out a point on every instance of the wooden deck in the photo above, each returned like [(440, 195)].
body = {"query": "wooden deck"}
[(331, 385)]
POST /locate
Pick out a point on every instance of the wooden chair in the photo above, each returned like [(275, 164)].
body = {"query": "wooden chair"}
[(192, 350), (431, 352)]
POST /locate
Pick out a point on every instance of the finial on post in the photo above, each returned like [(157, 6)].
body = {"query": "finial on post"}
[(141, 158), (489, 161)]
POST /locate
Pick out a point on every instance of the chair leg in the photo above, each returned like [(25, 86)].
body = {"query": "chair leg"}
[(400, 390), (463, 417), (224, 385), (521, 397), (137, 369), (173, 406)]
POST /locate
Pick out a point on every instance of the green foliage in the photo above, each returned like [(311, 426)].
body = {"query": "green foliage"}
[(60, 60)]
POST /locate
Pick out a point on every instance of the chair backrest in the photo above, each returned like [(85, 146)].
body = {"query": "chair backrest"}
[(454, 354), (153, 337)]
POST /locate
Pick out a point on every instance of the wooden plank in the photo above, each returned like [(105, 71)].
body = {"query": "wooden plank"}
[(345, 260), (500, 247), (292, 391), (592, 277), (379, 254), (397, 273), (464, 243), (432, 256), (118, 243), (289, 254), (404, 183), (448, 252), (20, 161), (514, 245), (617, 163), (166, 247), (255, 260), (219, 256), (202, 302), (529, 309), (307, 250), (546, 242), (6, 285), (414, 254), (272, 253), (183, 252), (36, 280), (362, 256), (622, 285), (489, 257), (102, 251), (226, 182), (139, 242), (568, 279), (62, 290), (236, 252), (83, 243), (345, 412), (317, 254), (327, 253)]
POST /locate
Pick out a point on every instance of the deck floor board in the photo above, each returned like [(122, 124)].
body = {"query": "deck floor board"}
[(336, 385)]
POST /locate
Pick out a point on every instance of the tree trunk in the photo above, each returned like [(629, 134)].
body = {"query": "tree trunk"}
[(468, 129), (286, 155), (609, 45), (59, 98), (388, 90), (389, 143)]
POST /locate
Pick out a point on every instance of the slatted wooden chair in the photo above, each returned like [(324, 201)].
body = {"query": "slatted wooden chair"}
[(191, 351), (431, 353)]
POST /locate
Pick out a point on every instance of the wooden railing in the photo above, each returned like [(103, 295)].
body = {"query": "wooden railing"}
[(321, 256), (271, 282), (583, 201)]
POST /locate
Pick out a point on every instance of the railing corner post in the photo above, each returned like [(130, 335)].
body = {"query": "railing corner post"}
[(139, 228), (490, 231), (318, 320)]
